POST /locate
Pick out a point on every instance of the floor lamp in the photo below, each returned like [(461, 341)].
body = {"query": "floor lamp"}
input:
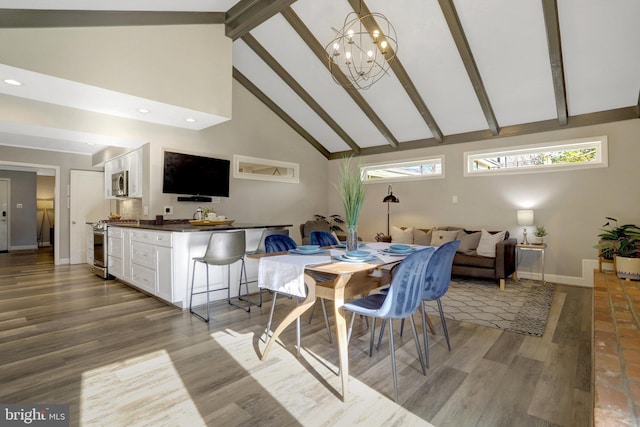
[(45, 205), (390, 198)]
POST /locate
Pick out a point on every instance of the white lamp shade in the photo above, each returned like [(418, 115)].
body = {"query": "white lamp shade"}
[(44, 204), (525, 217)]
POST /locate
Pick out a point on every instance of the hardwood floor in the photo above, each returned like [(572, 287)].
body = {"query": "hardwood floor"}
[(122, 358)]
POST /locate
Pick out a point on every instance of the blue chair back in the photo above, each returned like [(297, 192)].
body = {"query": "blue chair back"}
[(438, 275), (405, 292), (278, 243), (266, 233), (322, 238)]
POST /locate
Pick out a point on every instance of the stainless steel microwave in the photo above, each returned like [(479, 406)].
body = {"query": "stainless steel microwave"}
[(120, 184)]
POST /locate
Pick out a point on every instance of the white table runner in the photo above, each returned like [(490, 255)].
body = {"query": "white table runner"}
[(285, 273)]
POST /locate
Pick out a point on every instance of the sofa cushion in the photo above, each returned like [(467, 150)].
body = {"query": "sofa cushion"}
[(474, 261), (421, 237), (440, 237), (398, 235), (468, 241), (487, 245)]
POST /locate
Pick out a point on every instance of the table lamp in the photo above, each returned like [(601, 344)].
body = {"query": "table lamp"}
[(390, 198), (525, 217)]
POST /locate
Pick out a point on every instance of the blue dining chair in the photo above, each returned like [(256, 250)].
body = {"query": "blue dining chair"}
[(436, 284), (323, 238), (401, 301)]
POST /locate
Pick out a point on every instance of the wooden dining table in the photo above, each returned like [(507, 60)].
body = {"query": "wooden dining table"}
[(351, 280)]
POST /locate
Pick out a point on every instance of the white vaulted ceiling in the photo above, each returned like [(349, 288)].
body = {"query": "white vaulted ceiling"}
[(466, 70)]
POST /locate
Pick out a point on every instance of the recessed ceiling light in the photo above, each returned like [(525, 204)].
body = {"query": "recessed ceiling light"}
[(13, 82), (143, 110), (190, 120)]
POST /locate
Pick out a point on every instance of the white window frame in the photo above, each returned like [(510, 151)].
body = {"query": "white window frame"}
[(386, 165), (293, 178), (598, 142)]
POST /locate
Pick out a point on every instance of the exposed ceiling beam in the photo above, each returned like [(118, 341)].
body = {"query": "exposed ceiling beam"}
[(589, 119), (248, 14), (240, 78), (315, 46), (28, 18), (552, 26), (398, 69), (299, 90), (453, 21)]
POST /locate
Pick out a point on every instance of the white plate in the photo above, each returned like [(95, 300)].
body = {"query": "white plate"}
[(317, 251), (345, 259)]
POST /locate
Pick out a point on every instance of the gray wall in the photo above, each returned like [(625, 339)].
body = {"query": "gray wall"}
[(23, 232), (571, 204)]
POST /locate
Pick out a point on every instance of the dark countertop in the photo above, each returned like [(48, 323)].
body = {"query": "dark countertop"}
[(181, 227)]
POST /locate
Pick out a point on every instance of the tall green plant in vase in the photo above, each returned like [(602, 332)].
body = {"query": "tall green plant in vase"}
[(352, 193)]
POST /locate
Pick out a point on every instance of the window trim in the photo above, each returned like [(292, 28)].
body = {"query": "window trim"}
[(601, 161), (384, 165), (237, 173)]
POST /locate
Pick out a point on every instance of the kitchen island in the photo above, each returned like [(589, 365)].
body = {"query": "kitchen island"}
[(158, 258)]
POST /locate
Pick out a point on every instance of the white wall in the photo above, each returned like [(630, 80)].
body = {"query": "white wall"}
[(571, 205)]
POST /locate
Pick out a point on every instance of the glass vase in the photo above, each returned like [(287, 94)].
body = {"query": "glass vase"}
[(352, 237)]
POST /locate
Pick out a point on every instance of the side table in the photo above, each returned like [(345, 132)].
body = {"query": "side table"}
[(531, 247)]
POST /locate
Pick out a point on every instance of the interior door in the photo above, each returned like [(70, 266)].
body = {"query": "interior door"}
[(86, 204), (4, 215)]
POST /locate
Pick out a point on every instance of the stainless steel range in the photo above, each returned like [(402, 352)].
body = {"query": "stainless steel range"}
[(100, 250)]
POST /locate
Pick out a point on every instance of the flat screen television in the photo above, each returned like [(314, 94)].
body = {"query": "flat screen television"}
[(195, 175)]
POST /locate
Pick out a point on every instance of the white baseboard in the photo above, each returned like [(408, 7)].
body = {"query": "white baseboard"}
[(22, 247), (588, 266)]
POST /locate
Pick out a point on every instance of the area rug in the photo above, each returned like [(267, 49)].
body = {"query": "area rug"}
[(522, 307)]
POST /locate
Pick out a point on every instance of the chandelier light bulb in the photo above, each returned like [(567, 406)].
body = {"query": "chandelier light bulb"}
[(362, 50)]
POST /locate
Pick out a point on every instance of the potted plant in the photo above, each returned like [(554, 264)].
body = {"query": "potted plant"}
[(622, 243), (540, 232), (352, 193)]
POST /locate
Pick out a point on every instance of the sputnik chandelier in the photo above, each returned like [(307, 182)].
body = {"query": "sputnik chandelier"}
[(362, 49)]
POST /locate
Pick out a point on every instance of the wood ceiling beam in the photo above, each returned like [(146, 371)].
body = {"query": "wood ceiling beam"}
[(244, 81), (398, 69), (589, 119), (299, 90), (552, 26), (248, 14), (28, 18), (315, 46), (459, 37)]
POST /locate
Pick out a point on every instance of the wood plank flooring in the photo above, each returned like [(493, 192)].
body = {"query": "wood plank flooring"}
[(122, 358)]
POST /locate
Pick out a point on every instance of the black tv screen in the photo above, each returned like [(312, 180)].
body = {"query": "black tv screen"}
[(195, 175)]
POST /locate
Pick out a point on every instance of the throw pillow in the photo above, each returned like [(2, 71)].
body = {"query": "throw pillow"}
[(468, 242), (440, 237), (421, 237), (398, 235), (487, 244)]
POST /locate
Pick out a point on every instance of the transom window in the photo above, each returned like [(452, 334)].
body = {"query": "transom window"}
[(575, 154), (428, 168)]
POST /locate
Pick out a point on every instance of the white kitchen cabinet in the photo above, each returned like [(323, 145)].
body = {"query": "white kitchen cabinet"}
[(161, 263), (134, 165), (108, 171), (115, 250), (89, 233), (133, 162), (143, 258)]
